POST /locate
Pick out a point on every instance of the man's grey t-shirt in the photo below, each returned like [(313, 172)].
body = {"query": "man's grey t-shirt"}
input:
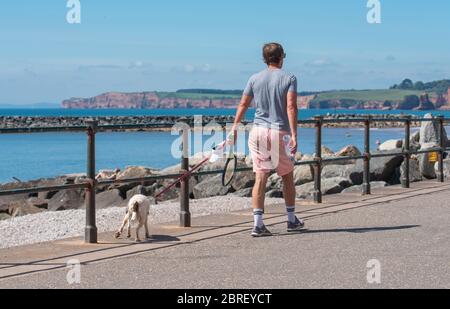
[(269, 89)]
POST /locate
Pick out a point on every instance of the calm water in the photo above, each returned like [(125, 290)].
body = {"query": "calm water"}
[(33, 156)]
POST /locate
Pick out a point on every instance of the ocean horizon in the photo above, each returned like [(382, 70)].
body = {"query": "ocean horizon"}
[(182, 112)]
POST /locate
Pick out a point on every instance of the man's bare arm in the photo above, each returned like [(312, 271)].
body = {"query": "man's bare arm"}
[(241, 110), (292, 110)]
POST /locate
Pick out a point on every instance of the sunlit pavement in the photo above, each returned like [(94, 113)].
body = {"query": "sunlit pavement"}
[(395, 238)]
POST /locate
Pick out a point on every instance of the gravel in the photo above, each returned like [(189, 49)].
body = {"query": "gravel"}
[(50, 226)]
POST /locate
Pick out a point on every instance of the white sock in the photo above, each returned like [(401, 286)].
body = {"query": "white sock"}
[(291, 213), (258, 216)]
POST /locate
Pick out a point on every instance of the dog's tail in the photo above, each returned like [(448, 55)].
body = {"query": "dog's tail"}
[(135, 212)]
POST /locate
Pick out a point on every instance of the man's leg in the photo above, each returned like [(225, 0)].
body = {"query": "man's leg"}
[(289, 189), (294, 224), (259, 194)]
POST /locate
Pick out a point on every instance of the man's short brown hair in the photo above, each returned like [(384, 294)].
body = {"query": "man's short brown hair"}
[(273, 53)]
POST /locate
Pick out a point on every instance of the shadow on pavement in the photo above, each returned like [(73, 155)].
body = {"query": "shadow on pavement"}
[(352, 230)]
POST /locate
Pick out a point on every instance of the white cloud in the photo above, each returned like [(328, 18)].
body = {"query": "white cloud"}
[(321, 63), (193, 68), (189, 68), (206, 68)]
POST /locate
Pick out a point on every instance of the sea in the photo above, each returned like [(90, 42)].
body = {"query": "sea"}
[(44, 155)]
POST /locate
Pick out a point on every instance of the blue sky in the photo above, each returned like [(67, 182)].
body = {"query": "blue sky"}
[(142, 45)]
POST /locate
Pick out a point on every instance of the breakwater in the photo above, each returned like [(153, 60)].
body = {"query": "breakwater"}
[(47, 121)]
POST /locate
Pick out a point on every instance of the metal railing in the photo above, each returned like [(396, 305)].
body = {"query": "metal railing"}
[(317, 162)]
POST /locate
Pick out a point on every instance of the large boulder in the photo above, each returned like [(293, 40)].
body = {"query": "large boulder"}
[(174, 169), (303, 174), (4, 216), (243, 180), (216, 166), (383, 168), (327, 152), (132, 172), (48, 183), (137, 190), (274, 182), (248, 161), (415, 137), (43, 182), (352, 172), (414, 141), (38, 202), (107, 174), (359, 188), (247, 192), (111, 198), (66, 200), (135, 172), (392, 144), (429, 132), (349, 151), (210, 187), (23, 208), (329, 186), (6, 201), (446, 168), (332, 170), (426, 165), (414, 170), (274, 194)]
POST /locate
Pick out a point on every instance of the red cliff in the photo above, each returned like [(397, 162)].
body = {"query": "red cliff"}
[(151, 100), (145, 100)]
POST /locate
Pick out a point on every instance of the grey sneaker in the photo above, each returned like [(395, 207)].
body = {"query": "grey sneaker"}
[(296, 226), (261, 232)]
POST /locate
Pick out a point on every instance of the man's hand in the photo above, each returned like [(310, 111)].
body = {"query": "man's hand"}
[(232, 137), (293, 145)]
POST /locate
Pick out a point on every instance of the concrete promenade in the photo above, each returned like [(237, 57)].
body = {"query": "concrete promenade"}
[(406, 230)]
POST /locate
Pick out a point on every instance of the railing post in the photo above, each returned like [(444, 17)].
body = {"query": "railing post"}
[(406, 179), (366, 174), (91, 228), (442, 145), (185, 215), (318, 165)]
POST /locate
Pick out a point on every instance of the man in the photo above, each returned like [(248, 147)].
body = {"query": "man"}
[(273, 139)]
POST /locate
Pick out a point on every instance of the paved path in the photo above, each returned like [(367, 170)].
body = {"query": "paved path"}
[(407, 231)]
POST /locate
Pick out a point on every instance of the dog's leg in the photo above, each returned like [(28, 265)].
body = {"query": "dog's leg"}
[(147, 234), (137, 231), (129, 225), (125, 220)]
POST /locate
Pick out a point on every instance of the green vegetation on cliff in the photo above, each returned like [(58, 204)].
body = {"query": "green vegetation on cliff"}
[(199, 95), (439, 86)]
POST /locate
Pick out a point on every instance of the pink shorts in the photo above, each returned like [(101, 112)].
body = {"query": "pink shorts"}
[(268, 151)]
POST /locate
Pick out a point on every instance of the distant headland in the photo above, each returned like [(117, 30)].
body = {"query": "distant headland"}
[(407, 95)]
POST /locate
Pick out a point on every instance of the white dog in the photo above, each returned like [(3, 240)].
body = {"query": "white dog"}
[(138, 211)]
